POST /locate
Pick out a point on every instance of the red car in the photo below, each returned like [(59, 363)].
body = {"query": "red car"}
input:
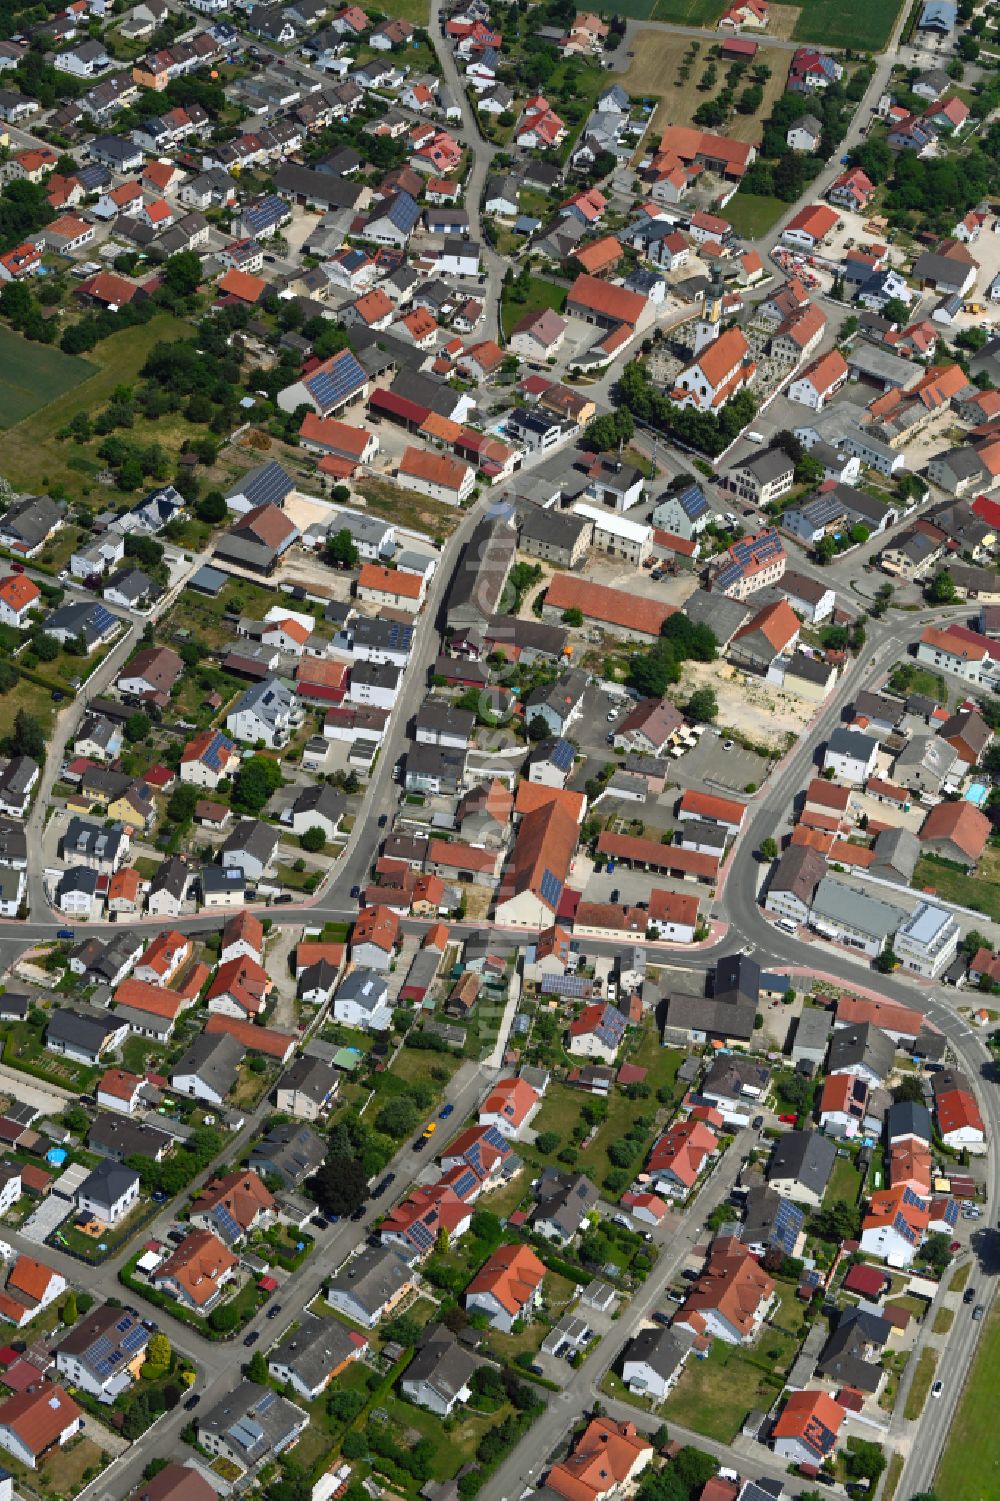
[(789, 1120)]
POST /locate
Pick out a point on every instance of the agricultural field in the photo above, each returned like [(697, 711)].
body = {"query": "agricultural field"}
[(655, 72), (34, 459), (851, 24), (33, 375), (862, 24)]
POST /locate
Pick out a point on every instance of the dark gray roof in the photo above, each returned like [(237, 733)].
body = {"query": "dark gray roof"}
[(663, 1350), (373, 1277), (843, 1357), (861, 1043), (804, 1156), (715, 1018), (564, 1198), (441, 1363), (766, 467), (291, 1152), (312, 1077), (172, 876), (108, 1182), (728, 1077), (845, 742), (896, 853), (83, 1027), (908, 1118), (116, 1136), (723, 616), (215, 1058), (315, 1349), (550, 527)]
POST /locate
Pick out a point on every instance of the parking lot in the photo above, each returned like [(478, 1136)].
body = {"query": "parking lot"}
[(709, 764)]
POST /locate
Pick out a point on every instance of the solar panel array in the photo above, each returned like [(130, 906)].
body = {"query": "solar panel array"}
[(466, 1183), (757, 549), (573, 986), (550, 889), (611, 1027), (212, 755), (422, 1237), (333, 386), (914, 1200), (106, 1354), (227, 1225), (102, 618), (495, 1139), (786, 1227)]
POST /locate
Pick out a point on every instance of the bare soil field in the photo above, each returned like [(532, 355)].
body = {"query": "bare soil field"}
[(748, 704)]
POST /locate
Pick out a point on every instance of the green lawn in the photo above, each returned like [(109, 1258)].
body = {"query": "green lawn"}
[(862, 24), (845, 1182), (715, 1395), (417, 1066), (752, 214), (923, 1378), (969, 1465), (541, 294), (979, 892), (33, 698), (32, 375), (417, 11), (908, 677)]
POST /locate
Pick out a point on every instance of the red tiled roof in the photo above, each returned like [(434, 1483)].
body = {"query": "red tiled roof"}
[(613, 606)]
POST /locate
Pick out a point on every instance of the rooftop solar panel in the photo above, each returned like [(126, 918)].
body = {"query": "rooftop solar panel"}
[(551, 888)]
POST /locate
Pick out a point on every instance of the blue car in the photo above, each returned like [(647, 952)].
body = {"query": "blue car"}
[(444, 1114), (66, 933)]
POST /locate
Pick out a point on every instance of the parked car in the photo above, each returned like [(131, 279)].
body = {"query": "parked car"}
[(360, 1212), (192, 1402), (274, 1310), (252, 1338), (444, 1113)]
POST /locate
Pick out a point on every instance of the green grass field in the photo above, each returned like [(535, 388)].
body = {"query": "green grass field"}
[(923, 1378), (541, 294), (752, 214), (32, 455), (862, 24), (682, 12), (968, 1468), (979, 892), (715, 1395), (33, 375)]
